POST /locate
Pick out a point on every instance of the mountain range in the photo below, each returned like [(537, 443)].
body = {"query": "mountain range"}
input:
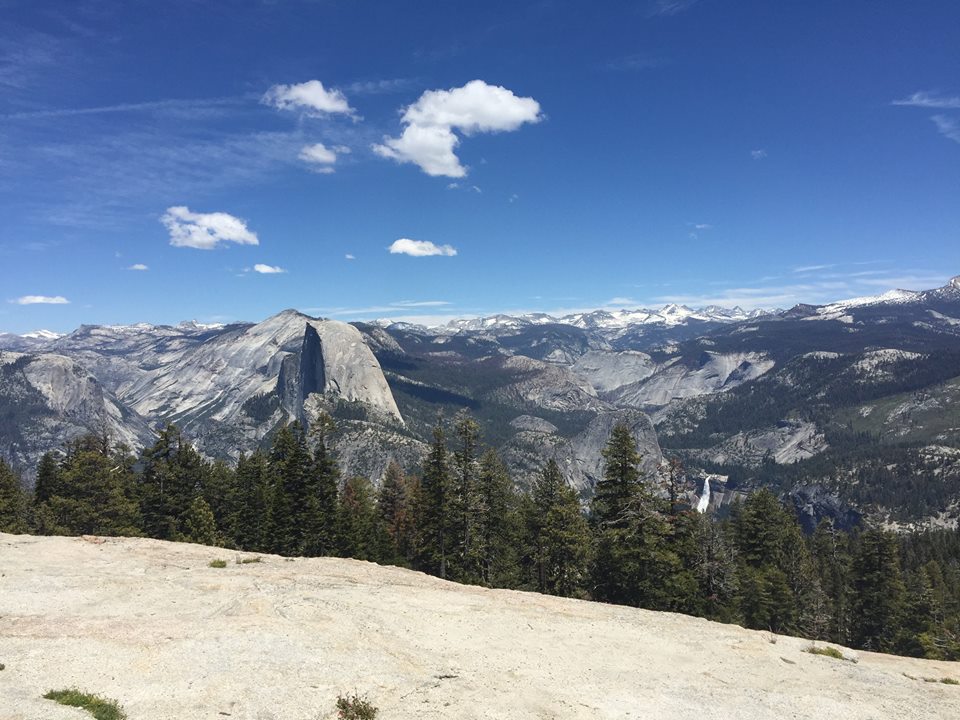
[(851, 408)]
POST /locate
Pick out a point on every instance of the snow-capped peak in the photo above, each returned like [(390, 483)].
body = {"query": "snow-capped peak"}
[(42, 335), (891, 296)]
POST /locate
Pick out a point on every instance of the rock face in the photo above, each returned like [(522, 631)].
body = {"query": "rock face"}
[(47, 400), (227, 387), (152, 626)]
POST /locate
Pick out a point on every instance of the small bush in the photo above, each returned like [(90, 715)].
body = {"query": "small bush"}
[(247, 560), (101, 708), (354, 707), (950, 681), (826, 651), (218, 563)]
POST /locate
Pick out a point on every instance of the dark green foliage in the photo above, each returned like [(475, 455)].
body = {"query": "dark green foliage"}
[(435, 520), (879, 591), (559, 537), (361, 532), (48, 479), (101, 708), (633, 563), (252, 492), (775, 569), (96, 493), (173, 475), (13, 502), (199, 525), (466, 503), (499, 526), (395, 504), (218, 564)]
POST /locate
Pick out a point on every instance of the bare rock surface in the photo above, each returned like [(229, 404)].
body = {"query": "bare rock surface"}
[(151, 625)]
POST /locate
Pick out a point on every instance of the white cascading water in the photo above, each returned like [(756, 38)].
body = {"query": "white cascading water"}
[(704, 502)]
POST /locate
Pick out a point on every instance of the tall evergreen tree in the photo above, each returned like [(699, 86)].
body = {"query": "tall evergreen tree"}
[(633, 561), (172, 476), (559, 534), (498, 528), (394, 505), (48, 479), (466, 503), (323, 481), (96, 493), (248, 524), (13, 502), (200, 525), (292, 466), (361, 533), (435, 513), (879, 591)]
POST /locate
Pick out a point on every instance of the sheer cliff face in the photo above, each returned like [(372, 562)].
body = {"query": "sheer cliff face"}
[(46, 400), (227, 388)]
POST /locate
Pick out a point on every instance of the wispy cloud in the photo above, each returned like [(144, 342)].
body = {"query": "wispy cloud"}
[(667, 8), (420, 248), (381, 87), (40, 300), (173, 106), (926, 99), (349, 256), (947, 126), (138, 266), (811, 268), (205, 231), (268, 269), (758, 154)]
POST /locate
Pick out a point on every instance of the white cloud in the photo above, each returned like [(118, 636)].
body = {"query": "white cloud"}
[(205, 231), (759, 154), (948, 127), (348, 256), (320, 157), (311, 97), (703, 226), (138, 266), (40, 300), (420, 248), (929, 100), (268, 269), (428, 139)]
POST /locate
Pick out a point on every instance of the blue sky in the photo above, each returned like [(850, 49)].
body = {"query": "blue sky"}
[(533, 156)]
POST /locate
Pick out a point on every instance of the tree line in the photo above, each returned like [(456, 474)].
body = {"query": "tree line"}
[(462, 518)]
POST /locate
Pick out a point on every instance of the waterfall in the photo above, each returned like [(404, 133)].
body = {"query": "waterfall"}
[(704, 502)]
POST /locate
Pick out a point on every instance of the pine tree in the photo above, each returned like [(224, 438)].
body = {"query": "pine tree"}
[(172, 476), (292, 467), (248, 523), (361, 533), (394, 505), (633, 561), (323, 480), (13, 502), (199, 524), (96, 493), (879, 591), (498, 528), (435, 509), (831, 560), (559, 534), (48, 479), (466, 565)]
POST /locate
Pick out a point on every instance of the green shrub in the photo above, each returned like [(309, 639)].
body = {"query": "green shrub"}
[(950, 681), (218, 563), (247, 560), (354, 707), (826, 651), (101, 708)]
